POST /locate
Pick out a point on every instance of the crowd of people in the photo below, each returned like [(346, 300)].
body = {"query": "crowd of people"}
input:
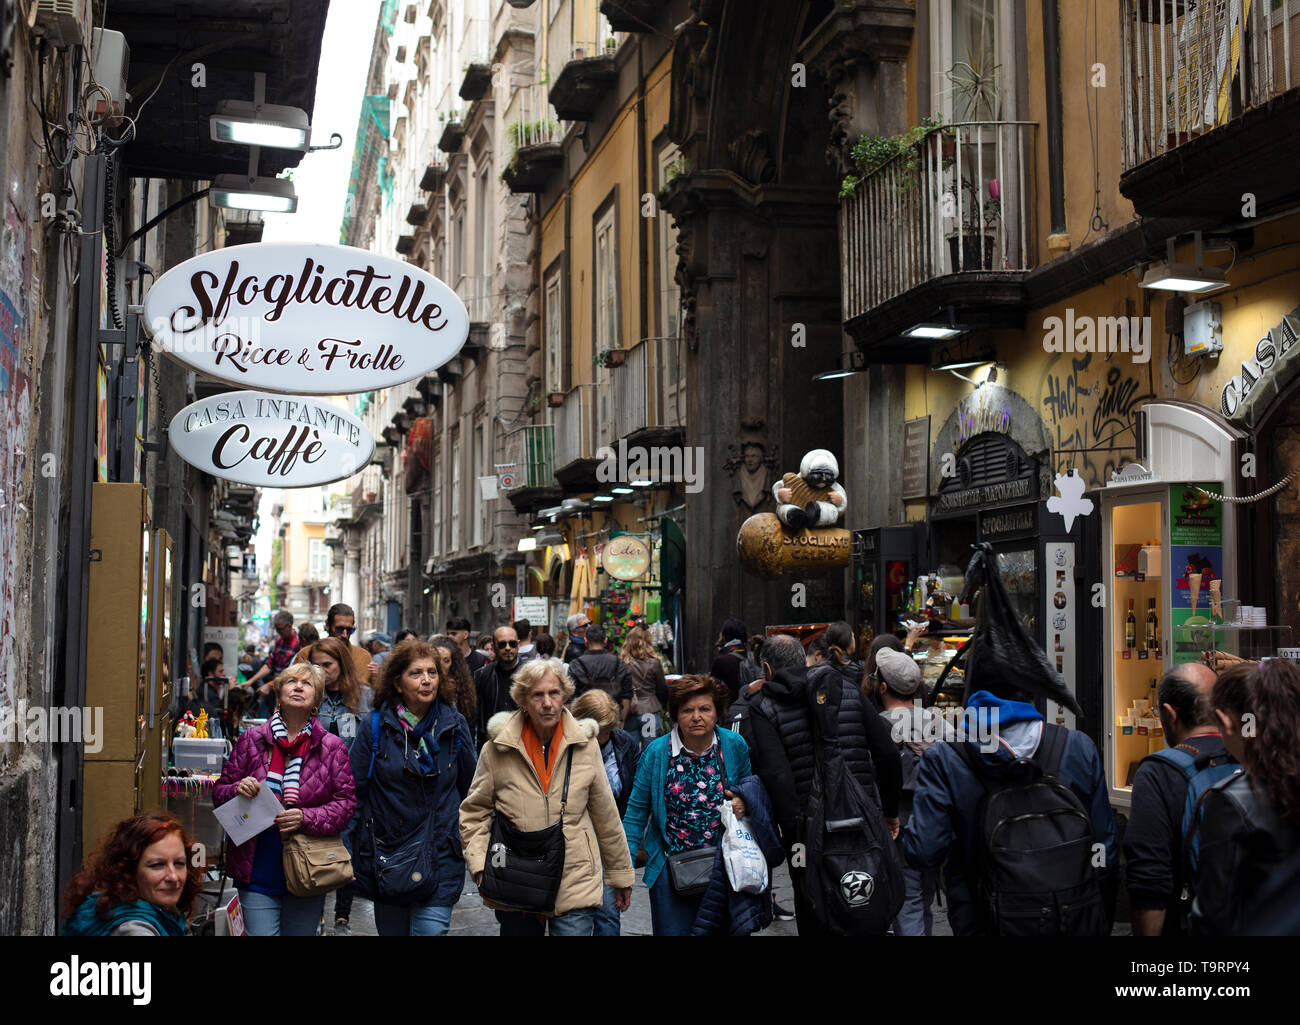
[(549, 780)]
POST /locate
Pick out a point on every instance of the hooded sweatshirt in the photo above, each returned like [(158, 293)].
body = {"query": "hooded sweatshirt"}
[(946, 805)]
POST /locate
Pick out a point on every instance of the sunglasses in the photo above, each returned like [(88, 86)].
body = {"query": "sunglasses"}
[(507, 644), (349, 630)]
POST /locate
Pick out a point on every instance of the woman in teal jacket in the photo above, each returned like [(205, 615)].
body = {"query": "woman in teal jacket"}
[(680, 784)]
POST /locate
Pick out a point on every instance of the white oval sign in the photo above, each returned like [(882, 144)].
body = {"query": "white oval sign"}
[(272, 441), (309, 319)]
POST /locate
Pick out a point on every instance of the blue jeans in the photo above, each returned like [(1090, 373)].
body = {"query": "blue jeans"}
[(915, 918), (671, 915), (580, 922), (415, 920), (285, 915), (609, 920)]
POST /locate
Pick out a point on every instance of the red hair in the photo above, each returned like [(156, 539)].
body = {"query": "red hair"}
[(112, 872)]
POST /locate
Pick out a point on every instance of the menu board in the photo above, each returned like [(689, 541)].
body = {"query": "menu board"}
[(1195, 563)]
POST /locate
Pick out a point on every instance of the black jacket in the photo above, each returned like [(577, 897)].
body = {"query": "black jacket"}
[(783, 751), (1244, 846), (627, 752), (492, 683), (606, 669), (1153, 842)]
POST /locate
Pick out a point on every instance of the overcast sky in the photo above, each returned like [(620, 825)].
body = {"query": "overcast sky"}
[(321, 180)]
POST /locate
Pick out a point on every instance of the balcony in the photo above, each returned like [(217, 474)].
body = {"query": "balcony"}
[(532, 450), (477, 81), (433, 177), (575, 439), (1202, 124), (535, 139), (944, 224), (650, 402), (453, 134), (631, 15)]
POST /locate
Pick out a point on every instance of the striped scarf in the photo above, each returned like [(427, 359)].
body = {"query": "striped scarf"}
[(286, 760), (421, 732)]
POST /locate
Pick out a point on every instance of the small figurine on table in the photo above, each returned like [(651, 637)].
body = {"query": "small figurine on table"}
[(201, 725), (185, 728)]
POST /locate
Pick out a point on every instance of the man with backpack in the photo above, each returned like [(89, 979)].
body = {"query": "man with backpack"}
[(605, 671), (833, 775), (734, 665), (1023, 821), (897, 680), (1167, 790)]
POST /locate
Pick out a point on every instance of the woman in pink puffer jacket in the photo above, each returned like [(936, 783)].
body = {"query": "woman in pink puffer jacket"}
[(309, 772)]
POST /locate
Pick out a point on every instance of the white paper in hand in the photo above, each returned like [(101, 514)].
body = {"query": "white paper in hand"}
[(245, 817)]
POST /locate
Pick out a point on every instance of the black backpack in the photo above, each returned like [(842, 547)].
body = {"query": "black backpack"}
[(852, 880), (1033, 873)]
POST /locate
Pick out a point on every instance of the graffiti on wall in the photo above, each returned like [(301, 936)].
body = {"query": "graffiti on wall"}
[(15, 422), (1089, 409)]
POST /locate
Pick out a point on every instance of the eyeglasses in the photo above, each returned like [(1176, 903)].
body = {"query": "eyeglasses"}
[(507, 644), (349, 630)]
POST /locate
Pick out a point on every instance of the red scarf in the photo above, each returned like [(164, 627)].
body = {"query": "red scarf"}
[(285, 752)]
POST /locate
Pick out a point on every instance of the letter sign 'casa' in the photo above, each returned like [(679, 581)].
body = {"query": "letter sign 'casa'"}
[(305, 319), (277, 441)]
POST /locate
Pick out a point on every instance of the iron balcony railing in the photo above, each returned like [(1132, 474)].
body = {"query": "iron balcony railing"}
[(532, 450), (957, 201), (575, 434), (648, 387), (1190, 66)]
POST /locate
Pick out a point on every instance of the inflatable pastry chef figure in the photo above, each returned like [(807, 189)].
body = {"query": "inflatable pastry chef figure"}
[(811, 498)]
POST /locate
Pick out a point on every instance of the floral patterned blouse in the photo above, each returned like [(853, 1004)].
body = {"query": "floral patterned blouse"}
[(692, 793)]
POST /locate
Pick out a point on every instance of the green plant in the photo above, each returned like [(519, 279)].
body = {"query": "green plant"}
[(530, 133), (672, 172), (610, 43), (872, 152), (976, 93), (609, 358)]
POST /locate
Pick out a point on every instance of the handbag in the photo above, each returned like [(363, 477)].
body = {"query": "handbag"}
[(523, 869), (689, 872), (315, 864)]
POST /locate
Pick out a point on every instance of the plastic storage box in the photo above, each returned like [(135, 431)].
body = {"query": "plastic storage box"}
[(199, 755)]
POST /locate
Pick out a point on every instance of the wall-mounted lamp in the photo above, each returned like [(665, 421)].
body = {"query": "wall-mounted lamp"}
[(239, 192), (242, 123), (850, 363), (1196, 278)]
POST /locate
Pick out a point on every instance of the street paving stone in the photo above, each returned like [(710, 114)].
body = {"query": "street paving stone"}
[(471, 918)]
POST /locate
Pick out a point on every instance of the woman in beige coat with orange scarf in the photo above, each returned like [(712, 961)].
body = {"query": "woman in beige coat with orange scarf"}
[(520, 775)]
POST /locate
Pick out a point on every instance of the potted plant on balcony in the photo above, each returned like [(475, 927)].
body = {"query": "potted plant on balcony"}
[(610, 358), (555, 399), (978, 229), (872, 152)]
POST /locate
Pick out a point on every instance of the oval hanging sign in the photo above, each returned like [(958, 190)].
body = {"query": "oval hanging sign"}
[(308, 319), (277, 441), (625, 557)]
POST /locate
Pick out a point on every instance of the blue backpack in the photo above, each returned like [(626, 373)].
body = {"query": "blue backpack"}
[(1201, 771)]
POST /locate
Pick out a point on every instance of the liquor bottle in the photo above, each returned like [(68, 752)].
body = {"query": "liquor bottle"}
[(1153, 625), (1130, 627)]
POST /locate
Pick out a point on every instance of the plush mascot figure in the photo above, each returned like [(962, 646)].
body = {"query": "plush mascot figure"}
[(811, 498)]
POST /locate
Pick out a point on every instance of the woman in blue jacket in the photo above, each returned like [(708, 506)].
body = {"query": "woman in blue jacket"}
[(680, 784), (413, 760)]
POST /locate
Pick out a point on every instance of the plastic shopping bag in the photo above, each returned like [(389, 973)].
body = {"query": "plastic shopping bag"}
[(746, 866)]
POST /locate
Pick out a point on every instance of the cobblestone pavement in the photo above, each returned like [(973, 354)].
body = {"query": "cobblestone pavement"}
[(471, 918)]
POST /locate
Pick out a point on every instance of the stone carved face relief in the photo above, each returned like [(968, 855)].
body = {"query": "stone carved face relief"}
[(752, 478)]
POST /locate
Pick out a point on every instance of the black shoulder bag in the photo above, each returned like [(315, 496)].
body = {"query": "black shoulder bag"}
[(689, 872), (523, 870)]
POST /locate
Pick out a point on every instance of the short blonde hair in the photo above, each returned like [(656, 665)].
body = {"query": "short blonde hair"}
[(530, 674), (302, 671), (596, 704)]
